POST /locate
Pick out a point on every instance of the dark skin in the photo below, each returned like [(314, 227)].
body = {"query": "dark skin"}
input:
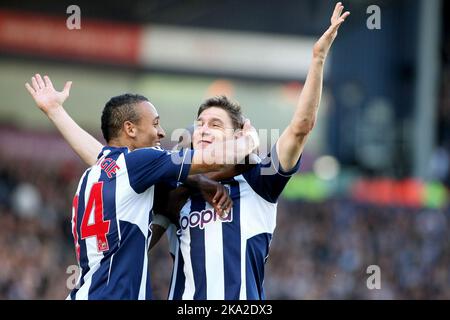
[(209, 187)]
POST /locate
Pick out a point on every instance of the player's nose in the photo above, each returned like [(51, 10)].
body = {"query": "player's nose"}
[(161, 133), (204, 129)]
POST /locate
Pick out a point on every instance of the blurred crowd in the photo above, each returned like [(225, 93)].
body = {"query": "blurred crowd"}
[(326, 249), (319, 250)]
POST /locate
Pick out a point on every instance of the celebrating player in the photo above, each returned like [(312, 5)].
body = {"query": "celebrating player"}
[(218, 260), (225, 258), (112, 206)]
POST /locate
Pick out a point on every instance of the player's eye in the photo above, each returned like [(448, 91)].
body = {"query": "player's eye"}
[(216, 125)]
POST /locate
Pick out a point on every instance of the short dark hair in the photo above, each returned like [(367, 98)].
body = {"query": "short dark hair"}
[(232, 108), (118, 110)]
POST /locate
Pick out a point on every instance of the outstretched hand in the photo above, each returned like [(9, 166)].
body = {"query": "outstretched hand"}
[(45, 95), (323, 45)]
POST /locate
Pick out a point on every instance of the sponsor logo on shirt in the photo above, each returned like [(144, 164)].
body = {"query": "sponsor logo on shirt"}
[(202, 218)]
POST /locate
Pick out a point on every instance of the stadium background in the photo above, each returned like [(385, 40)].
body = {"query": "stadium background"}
[(374, 184)]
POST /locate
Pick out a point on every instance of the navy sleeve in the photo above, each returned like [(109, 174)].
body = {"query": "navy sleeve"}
[(268, 178), (149, 166)]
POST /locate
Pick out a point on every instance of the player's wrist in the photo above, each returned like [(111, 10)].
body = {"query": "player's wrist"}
[(54, 111), (192, 181), (319, 57)]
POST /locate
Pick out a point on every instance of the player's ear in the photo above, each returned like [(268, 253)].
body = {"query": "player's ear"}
[(238, 133), (130, 129)]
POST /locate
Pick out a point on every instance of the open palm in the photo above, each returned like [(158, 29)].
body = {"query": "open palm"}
[(322, 46), (45, 95)]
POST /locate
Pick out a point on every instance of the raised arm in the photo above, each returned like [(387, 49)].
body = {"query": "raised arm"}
[(51, 102), (292, 141)]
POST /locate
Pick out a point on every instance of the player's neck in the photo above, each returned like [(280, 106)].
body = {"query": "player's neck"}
[(120, 143)]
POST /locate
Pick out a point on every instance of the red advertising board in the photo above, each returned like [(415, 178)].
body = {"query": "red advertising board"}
[(44, 35)]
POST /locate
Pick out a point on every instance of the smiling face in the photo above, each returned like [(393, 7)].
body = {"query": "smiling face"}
[(148, 130), (212, 125)]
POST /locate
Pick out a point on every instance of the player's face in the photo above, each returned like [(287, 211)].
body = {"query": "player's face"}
[(148, 130), (212, 125)]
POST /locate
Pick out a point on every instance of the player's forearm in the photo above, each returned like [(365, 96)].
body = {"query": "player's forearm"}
[(223, 155), (308, 104), (232, 171), (193, 181), (157, 233), (229, 172), (175, 202), (86, 146), (226, 173)]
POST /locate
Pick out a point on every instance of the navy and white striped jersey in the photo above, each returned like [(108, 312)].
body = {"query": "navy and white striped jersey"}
[(224, 259), (111, 220)]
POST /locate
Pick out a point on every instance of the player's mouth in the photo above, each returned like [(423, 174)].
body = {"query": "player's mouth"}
[(204, 143), (158, 143)]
